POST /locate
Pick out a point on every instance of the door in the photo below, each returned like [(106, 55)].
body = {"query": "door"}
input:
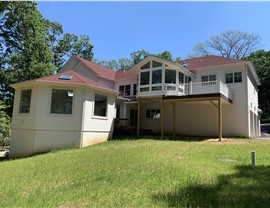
[(133, 115)]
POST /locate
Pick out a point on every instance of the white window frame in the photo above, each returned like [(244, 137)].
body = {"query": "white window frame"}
[(233, 81), (107, 107)]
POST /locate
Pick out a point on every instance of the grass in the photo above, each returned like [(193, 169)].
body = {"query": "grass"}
[(141, 173)]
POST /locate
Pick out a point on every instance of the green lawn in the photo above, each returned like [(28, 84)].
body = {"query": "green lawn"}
[(141, 173)]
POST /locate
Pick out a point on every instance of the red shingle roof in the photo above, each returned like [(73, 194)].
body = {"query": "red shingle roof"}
[(102, 71), (76, 79), (197, 63), (106, 72)]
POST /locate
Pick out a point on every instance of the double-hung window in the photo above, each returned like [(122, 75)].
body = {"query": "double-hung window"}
[(124, 90), (235, 77), (100, 108)]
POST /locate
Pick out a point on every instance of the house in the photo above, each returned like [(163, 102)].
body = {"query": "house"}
[(81, 105)]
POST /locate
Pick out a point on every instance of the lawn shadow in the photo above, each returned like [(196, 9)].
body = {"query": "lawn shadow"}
[(248, 187), (158, 138)]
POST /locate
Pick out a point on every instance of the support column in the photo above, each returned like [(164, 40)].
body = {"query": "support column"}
[(174, 119), (162, 118), (220, 119), (138, 116)]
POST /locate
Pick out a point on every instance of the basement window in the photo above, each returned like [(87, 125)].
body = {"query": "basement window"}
[(153, 113)]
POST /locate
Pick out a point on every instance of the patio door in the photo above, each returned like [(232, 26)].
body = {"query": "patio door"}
[(133, 114)]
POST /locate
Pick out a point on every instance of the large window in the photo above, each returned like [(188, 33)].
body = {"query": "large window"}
[(156, 76), (156, 64), (100, 105), (124, 90), (209, 78), (25, 101), (153, 113), (235, 77), (181, 78), (145, 78), (61, 102), (170, 76)]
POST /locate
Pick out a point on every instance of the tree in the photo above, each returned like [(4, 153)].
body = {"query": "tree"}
[(261, 61), (32, 47), (229, 44), (4, 125), (137, 56), (165, 55), (25, 51)]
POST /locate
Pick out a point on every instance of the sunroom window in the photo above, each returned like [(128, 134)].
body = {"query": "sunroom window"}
[(156, 64), (144, 78), (156, 76), (146, 66), (25, 101), (181, 78), (170, 76), (61, 102)]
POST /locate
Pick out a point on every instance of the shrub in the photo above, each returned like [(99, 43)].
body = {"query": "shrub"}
[(5, 126)]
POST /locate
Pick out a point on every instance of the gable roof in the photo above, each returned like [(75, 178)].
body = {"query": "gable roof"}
[(207, 61), (101, 71), (75, 79)]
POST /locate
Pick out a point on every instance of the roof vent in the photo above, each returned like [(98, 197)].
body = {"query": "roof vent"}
[(185, 65), (66, 76)]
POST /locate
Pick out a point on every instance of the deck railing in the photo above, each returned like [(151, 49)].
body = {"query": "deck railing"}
[(192, 88)]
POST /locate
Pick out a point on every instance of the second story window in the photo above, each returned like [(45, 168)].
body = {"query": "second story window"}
[(235, 77), (144, 78), (209, 78), (124, 90), (170, 76), (156, 76), (135, 89)]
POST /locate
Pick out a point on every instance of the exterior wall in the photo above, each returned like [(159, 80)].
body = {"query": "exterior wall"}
[(40, 131), (130, 82), (97, 129), (254, 128)]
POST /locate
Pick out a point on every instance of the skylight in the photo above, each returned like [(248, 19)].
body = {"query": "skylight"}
[(66, 76)]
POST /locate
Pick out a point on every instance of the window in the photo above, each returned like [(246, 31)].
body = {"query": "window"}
[(135, 89), (124, 90), (153, 113), (144, 78), (146, 66), (170, 76), (181, 78), (235, 77), (156, 64), (187, 79), (61, 102), (100, 105), (209, 78), (66, 76), (156, 76), (25, 101)]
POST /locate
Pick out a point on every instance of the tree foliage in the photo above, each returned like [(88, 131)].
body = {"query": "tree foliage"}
[(32, 47), (135, 57), (261, 61), (4, 125), (229, 44)]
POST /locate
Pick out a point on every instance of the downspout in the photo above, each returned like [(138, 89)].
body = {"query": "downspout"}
[(83, 114)]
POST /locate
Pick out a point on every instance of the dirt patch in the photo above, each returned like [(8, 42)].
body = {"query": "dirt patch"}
[(227, 141)]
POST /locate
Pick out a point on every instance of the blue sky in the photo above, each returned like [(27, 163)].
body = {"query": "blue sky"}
[(117, 29)]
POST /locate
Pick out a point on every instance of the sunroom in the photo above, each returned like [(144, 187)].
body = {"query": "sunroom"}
[(160, 77)]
